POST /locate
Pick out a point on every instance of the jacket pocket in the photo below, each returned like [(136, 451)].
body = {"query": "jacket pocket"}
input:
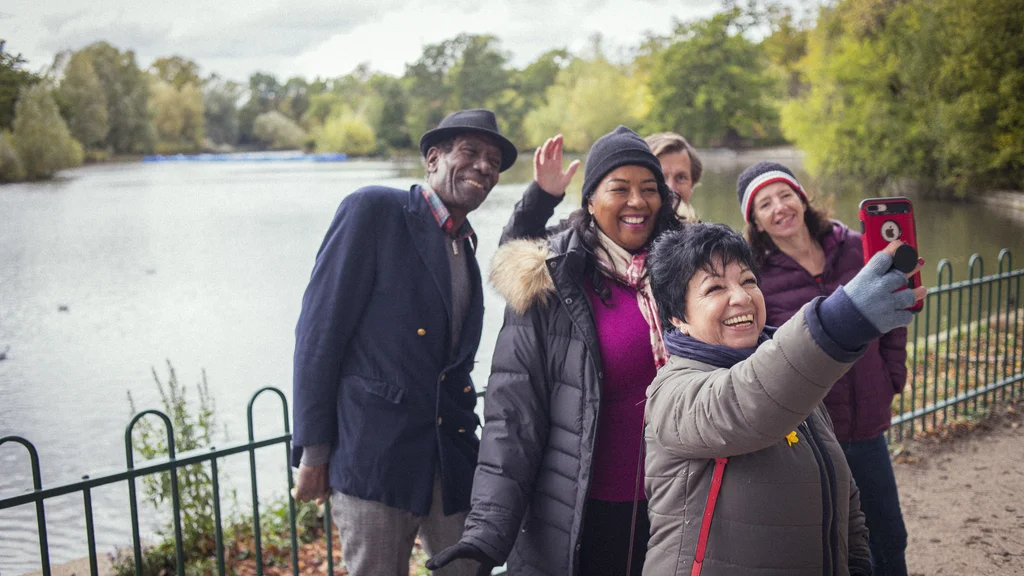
[(379, 388)]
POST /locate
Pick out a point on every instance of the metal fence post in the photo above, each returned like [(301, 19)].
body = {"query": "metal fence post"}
[(37, 485)]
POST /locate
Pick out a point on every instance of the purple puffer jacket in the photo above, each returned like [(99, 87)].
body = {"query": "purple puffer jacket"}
[(860, 401)]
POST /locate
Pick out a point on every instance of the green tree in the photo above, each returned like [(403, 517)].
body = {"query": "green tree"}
[(785, 47), (849, 121), (527, 89), (532, 82), (11, 168), (277, 131), (391, 128), (176, 71), (41, 137), (348, 133), (126, 88), (979, 83), (468, 71), (712, 84), (589, 99), (84, 101), (264, 96), (478, 74), (295, 98), (13, 77), (178, 116), (429, 91), (920, 91), (511, 109), (320, 108), (356, 94), (220, 110)]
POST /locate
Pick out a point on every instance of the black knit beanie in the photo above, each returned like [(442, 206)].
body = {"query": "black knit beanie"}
[(757, 177), (620, 147)]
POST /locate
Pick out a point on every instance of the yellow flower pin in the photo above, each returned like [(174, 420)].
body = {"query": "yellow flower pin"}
[(792, 438)]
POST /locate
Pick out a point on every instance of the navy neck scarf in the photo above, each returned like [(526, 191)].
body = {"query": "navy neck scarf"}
[(682, 345)]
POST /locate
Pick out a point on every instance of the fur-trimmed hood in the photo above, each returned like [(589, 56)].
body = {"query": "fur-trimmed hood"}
[(519, 272)]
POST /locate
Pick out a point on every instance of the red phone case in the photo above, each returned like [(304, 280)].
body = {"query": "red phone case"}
[(879, 227)]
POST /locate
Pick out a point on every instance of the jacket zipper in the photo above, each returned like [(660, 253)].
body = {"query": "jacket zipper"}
[(830, 520), (593, 364), (827, 509)]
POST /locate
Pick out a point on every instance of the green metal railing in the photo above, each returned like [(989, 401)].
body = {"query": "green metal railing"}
[(961, 359), (964, 349), (171, 465)]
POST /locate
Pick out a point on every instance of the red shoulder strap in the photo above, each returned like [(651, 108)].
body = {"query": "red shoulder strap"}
[(709, 513)]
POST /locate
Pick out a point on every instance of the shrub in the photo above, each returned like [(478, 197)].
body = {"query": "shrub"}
[(277, 131), (11, 168), (41, 137), (346, 133), (193, 429), (195, 485)]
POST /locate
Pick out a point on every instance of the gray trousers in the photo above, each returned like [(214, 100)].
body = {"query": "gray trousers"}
[(377, 540)]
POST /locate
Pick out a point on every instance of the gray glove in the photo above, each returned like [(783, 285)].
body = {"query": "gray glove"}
[(874, 292)]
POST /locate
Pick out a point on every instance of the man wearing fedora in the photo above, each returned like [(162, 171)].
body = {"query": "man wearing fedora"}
[(391, 319)]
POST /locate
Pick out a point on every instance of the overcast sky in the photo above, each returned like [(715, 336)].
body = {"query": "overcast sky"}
[(328, 38)]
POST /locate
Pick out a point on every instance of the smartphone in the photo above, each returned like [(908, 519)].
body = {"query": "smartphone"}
[(884, 220)]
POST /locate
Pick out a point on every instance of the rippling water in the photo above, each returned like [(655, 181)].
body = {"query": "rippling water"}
[(205, 265)]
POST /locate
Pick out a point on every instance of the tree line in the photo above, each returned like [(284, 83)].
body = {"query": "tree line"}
[(882, 91)]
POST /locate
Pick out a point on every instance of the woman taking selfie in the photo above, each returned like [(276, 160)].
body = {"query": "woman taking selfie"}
[(743, 471), (802, 254), (560, 451)]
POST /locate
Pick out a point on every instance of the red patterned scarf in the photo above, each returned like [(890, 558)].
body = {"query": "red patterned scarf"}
[(630, 270)]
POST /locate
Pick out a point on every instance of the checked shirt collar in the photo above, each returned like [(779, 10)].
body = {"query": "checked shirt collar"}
[(444, 218)]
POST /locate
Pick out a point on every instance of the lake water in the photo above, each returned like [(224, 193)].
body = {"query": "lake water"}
[(205, 265)]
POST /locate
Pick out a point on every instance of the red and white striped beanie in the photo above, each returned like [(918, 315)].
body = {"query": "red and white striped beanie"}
[(757, 177)]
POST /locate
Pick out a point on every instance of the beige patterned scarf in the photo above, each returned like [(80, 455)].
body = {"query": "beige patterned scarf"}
[(629, 269)]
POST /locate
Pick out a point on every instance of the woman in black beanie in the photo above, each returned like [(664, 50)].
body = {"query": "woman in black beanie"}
[(558, 486)]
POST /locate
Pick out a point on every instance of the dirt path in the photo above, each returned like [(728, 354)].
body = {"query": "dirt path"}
[(963, 502)]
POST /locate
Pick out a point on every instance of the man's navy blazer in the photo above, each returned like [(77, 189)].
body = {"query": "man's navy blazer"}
[(371, 373)]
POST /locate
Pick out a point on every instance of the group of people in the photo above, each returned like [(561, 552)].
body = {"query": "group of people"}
[(643, 415)]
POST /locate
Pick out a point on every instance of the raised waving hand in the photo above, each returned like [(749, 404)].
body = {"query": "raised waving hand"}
[(547, 167)]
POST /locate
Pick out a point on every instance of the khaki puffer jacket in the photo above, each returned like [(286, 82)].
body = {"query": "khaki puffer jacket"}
[(784, 508)]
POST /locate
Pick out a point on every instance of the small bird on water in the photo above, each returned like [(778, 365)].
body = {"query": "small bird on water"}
[(3, 355)]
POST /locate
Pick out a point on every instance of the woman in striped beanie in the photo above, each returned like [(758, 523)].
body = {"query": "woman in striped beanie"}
[(804, 254)]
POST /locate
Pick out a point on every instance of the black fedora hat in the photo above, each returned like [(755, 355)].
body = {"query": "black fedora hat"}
[(476, 120)]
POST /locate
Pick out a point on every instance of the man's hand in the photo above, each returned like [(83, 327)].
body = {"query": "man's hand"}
[(462, 551), (547, 167), (311, 484)]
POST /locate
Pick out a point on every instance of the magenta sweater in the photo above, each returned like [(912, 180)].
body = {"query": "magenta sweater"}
[(628, 366)]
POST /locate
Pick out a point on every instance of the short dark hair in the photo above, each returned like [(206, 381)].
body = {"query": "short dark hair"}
[(670, 143), (678, 254)]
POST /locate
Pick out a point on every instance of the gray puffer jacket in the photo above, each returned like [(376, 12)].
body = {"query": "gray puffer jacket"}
[(784, 507), (540, 412)]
